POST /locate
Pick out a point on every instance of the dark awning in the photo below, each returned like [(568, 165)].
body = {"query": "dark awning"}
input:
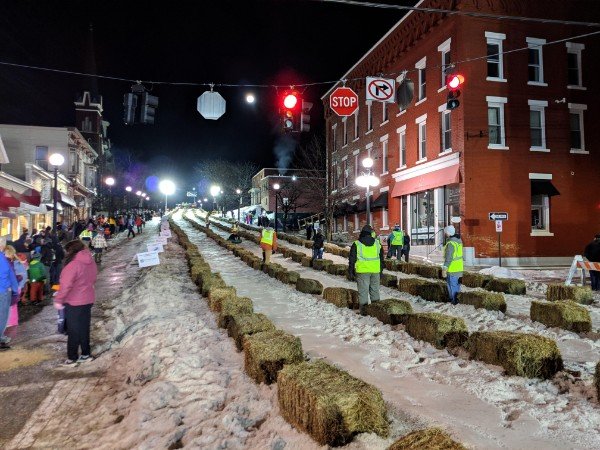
[(381, 201), (543, 187), (339, 209), (351, 208)]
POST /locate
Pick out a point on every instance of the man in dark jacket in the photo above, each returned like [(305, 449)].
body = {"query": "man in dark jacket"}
[(365, 265), (405, 247), (592, 254), (318, 244)]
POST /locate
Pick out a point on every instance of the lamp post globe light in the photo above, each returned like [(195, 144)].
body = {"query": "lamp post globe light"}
[(110, 182), (367, 180), (276, 187), (56, 160), (239, 192), (166, 187)]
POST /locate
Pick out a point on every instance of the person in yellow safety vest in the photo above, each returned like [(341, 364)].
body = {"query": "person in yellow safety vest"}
[(453, 263), (395, 242), (87, 235), (366, 266), (268, 243)]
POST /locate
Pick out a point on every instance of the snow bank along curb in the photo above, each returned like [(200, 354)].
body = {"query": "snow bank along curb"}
[(490, 297), (340, 405), (443, 330)]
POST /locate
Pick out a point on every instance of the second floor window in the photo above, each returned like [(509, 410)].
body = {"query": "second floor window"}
[(345, 174), (423, 140), (385, 116), (445, 131), (356, 125), (345, 132), (495, 67), (535, 66), (384, 157), (537, 124), (402, 146), (369, 118), (576, 125), (41, 157), (574, 77)]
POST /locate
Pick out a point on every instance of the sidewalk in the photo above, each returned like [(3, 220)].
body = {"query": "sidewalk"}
[(30, 370)]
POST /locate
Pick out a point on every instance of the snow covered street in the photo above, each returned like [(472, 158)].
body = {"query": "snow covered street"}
[(481, 407)]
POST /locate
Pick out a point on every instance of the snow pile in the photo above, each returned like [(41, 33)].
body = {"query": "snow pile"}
[(472, 399), (502, 272)]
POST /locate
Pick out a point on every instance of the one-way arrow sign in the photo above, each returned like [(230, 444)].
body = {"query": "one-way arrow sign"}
[(498, 216)]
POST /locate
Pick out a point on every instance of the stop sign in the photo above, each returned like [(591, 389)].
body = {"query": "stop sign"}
[(343, 101)]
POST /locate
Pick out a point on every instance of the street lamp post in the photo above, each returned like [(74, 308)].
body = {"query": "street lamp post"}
[(56, 160), (110, 182), (276, 187), (128, 189), (167, 187), (239, 192), (366, 180), (214, 191)]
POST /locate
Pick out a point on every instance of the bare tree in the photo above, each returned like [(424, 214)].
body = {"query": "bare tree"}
[(291, 196), (229, 176)]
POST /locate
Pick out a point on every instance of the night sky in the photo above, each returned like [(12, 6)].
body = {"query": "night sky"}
[(262, 42)]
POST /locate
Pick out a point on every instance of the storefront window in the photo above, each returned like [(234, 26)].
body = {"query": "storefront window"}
[(422, 220)]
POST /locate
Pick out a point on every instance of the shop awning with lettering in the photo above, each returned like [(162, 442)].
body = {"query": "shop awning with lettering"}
[(419, 183)]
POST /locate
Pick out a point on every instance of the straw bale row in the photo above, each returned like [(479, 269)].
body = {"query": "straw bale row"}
[(341, 297), (391, 311), (564, 314), (430, 439), (440, 330), (493, 301), (577, 294), (507, 286)]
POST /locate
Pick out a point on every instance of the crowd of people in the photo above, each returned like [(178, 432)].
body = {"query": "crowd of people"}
[(59, 264)]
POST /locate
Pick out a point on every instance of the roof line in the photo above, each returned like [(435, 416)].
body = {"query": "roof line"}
[(372, 48)]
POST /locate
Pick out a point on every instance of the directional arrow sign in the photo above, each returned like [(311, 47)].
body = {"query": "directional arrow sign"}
[(498, 216), (381, 89)]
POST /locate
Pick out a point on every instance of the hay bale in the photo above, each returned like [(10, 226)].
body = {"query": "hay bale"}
[(247, 324), (579, 294), (564, 314), (345, 252), (507, 285), (409, 285), (337, 269), (274, 270), (288, 277), (257, 264), (341, 297), (475, 280), (428, 439), (211, 281), (267, 352), (234, 306), (309, 286), (329, 404), (433, 292), (408, 268), (217, 295), (321, 264), (391, 311), (493, 301), (437, 329), (428, 271), (522, 354), (306, 261), (392, 264), (297, 256), (388, 280)]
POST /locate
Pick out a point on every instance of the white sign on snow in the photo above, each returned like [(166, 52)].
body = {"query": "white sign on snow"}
[(381, 89), (165, 233), (148, 259), (211, 105), (158, 248), (498, 226), (159, 240)]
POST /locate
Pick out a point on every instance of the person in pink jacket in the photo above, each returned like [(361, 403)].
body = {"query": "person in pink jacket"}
[(77, 295)]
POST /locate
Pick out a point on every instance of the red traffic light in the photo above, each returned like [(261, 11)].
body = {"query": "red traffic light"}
[(454, 81), (290, 100)]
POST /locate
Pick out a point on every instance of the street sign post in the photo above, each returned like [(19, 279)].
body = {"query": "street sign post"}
[(190, 194), (381, 89), (498, 216), (343, 101)]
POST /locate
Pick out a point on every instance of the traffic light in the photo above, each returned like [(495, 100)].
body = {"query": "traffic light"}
[(148, 109), (305, 116), (453, 82), (290, 108), (130, 105)]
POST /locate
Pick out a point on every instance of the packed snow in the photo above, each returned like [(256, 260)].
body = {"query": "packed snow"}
[(475, 401)]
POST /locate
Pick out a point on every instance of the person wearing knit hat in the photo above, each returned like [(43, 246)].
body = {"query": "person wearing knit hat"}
[(453, 263)]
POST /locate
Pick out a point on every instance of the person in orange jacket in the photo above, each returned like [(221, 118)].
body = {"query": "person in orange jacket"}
[(268, 243)]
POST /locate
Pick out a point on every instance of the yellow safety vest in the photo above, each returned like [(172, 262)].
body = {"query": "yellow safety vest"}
[(397, 238), (367, 257), (457, 257), (267, 237), (85, 234)]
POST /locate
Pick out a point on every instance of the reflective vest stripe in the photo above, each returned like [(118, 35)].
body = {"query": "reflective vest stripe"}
[(367, 257), (267, 237)]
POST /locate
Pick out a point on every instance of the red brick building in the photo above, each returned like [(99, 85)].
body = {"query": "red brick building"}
[(522, 140)]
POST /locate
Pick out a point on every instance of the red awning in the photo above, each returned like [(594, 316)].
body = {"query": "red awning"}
[(442, 177), (31, 197), (9, 199)]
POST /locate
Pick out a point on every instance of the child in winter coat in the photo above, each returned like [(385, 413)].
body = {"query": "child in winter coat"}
[(99, 244), (37, 278)]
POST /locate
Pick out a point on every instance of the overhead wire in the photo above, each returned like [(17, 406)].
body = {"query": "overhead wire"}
[(456, 12), (283, 86)]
